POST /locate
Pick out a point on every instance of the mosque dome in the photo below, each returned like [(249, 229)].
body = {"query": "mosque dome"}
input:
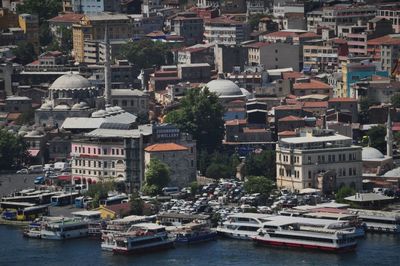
[(79, 106), (70, 82), (369, 153), (246, 93), (62, 107), (99, 113), (224, 88), (393, 173), (46, 106)]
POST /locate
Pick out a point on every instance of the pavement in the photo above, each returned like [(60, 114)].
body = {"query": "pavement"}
[(10, 183)]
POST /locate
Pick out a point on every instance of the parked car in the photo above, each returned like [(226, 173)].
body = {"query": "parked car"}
[(23, 171)]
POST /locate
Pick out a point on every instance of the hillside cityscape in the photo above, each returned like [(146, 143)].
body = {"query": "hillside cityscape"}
[(128, 127)]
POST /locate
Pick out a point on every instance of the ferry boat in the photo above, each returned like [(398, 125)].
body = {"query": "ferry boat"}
[(193, 233), (143, 237), (379, 221), (118, 227), (64, 229), (330, 214), (283, 232), (33, 230), (242, 225)]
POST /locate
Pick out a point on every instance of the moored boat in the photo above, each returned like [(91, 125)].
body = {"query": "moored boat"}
[(193, 233), (143, 237), (307, 235)]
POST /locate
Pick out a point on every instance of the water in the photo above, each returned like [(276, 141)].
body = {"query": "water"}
[(374, 250)]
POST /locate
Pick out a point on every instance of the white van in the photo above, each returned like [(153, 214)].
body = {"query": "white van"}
[(60, 166), (35, 169), (170, 190)]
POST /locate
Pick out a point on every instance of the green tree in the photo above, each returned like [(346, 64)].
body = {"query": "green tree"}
[(146, 53), (13, 150), (262, 164), (45, 9), (194, 188), (157, 176), (45, 36), (200, 114), (24, 53), (254, 20), (258, 184), (344, 192), (395, 100), (99, 191), (218, 170), (137, 205), (376, 136), (26, 118)]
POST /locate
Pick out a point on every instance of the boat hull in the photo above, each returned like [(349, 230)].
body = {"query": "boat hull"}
[(287, 244), (196, 239), (162, 246)]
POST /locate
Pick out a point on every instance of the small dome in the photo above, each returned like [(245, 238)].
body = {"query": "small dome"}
[(118, 109), (393, 173), (246, 93), (22, 133), (79, 106), (224, 87), (46, 106), (62, 107), (34, 133), (70, 81), (99, 113), (369, 153)]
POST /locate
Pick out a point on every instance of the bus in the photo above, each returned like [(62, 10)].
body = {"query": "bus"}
[(64, 199), (82, 201), (113, 200), (31, 213)]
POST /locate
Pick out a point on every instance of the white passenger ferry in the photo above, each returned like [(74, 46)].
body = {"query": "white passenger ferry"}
[(64, 229), (379, 221), (242, 225), (306, 233), (143, 237), (114, 228)]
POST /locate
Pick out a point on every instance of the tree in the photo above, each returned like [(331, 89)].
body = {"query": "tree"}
[(24, 53), (262, 164), (254, 20), (376, 136), (395, 100), (258, 184), (13, 150), (157, 175), (343, 193), (218, 170), (137, 205), (200, 114), (26, 117), (194, 188), (99, 191), (45, 9), (146, 53), (45, 36)]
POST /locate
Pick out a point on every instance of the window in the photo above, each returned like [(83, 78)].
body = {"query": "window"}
[(105, 164), (112, 151), (105, 151)]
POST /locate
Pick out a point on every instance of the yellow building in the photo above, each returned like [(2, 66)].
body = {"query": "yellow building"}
[(114, 211), (30, 25), (92, 27)]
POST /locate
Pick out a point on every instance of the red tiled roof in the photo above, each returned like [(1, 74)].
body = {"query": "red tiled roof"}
[(312, 85), (287, 133), (120, 209), (13, 116), (68, 17), (236, 122), (387, 39), (288, 107), (292, 75), (256, 45), (323, 104), (254, 130), (334, 100), (290, 118), (159, 147), (281, 34)]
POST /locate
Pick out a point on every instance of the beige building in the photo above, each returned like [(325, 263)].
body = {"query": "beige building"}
[(181, 160), (318, 159), (92, 27)]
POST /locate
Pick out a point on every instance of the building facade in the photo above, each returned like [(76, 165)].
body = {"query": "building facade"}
[(321, 160)]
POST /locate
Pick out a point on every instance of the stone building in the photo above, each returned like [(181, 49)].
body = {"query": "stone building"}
[(181, 160)]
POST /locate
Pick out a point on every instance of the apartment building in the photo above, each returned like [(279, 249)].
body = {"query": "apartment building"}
[(225, 30), (30, 26), (318, 159), (189, 26), (392, 13)]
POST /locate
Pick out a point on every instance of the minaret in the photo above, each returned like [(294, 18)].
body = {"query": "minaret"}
[(107, 69), (389, 136)]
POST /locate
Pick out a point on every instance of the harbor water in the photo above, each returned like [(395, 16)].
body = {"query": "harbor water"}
[(374, 249)]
